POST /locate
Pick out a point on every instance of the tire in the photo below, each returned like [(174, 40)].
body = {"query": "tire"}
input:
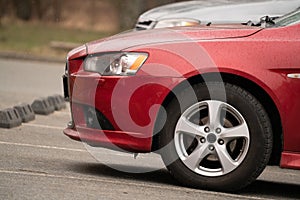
[(221, 143)]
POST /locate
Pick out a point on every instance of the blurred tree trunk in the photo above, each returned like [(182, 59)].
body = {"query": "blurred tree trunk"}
[(129, 10), (56, 10), (47, 8), (93, 12), (3, 6), (23, 9), (40, 7)]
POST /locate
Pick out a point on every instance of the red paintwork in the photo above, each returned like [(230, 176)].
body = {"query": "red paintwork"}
[(117, 140), (131, 104), (290, 160)]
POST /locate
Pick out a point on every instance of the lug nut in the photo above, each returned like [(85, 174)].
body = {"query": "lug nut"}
[(218, 130), (202, 140), (211, 148), (206, 129), (221, 142)]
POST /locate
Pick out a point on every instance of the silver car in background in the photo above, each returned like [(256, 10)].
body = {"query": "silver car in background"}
[(191, 13)]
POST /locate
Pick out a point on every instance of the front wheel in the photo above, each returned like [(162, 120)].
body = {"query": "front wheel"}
[(221, 143)]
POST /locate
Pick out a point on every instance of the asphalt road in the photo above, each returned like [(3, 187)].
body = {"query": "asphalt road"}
[(39, 162)]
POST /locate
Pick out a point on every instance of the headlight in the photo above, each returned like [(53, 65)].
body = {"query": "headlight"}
[(176, 22), (117, 63)]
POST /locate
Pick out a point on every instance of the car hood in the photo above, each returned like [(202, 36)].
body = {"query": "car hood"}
[(220, 11), (131, 39)]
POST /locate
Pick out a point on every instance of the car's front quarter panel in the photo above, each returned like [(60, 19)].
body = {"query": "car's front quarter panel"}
[(268, 59)]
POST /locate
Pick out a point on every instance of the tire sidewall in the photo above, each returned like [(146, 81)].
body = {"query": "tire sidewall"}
[(259, 133)]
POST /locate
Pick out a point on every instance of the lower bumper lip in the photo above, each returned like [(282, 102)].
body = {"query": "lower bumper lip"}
[(116, 140)]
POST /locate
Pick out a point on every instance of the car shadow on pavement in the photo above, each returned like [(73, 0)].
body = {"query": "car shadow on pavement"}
[(265, 188), (260, 188), (161, 176)]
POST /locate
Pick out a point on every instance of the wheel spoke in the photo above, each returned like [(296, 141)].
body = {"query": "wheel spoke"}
[(214, 112), (226, 161), (240, 131), (194, 159), (185, 126), (215, 142)]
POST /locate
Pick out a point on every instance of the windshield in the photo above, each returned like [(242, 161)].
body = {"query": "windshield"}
[(289, 19)]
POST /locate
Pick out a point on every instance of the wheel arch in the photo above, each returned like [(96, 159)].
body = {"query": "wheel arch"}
[(248, 85)]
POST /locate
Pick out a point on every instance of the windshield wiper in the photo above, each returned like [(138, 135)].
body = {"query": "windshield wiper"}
[(267, 21)]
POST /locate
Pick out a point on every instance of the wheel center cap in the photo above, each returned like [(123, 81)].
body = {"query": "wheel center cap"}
[(211, 138)]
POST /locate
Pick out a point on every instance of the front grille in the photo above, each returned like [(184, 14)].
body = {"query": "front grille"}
[(96, 120), (66, 83)]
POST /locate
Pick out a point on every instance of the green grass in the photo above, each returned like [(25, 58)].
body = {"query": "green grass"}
[(35, 39)]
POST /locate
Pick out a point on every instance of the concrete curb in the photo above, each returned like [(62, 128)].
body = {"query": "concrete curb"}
[(10, 118), (13, 117), (25, 111)]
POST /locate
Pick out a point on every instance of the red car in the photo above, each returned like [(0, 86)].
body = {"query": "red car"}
[(218, 103)]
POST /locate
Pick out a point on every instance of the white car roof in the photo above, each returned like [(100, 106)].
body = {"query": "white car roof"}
[(221, 11)]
